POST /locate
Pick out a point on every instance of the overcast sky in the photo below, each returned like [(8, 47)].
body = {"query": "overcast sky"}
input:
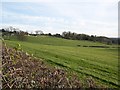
[(92, 17)]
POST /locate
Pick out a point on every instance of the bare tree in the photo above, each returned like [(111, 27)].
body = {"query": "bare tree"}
[(38, 32)]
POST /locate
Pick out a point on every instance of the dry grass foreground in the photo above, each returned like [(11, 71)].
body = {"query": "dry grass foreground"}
[(20, 70)]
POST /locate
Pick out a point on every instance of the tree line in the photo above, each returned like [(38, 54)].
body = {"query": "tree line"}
[(10, 31), (21, 35), (94, 38)]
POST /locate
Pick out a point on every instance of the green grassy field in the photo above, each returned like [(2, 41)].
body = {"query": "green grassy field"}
[(99, 63)]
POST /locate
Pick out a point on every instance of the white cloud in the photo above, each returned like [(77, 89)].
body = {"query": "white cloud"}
[(79, 26), (98, 17), (32, 19), (95, 28), (32, 23)]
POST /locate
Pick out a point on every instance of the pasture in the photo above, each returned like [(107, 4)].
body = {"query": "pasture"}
[(78, 57)]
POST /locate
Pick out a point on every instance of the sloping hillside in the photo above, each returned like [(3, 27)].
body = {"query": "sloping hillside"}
[(48, 40), (99, 63), (20, 70)]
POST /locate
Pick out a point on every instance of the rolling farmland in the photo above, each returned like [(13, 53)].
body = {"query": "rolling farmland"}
[(78, 57)]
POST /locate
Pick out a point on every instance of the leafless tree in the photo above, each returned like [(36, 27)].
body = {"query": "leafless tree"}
[(38, 32)]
